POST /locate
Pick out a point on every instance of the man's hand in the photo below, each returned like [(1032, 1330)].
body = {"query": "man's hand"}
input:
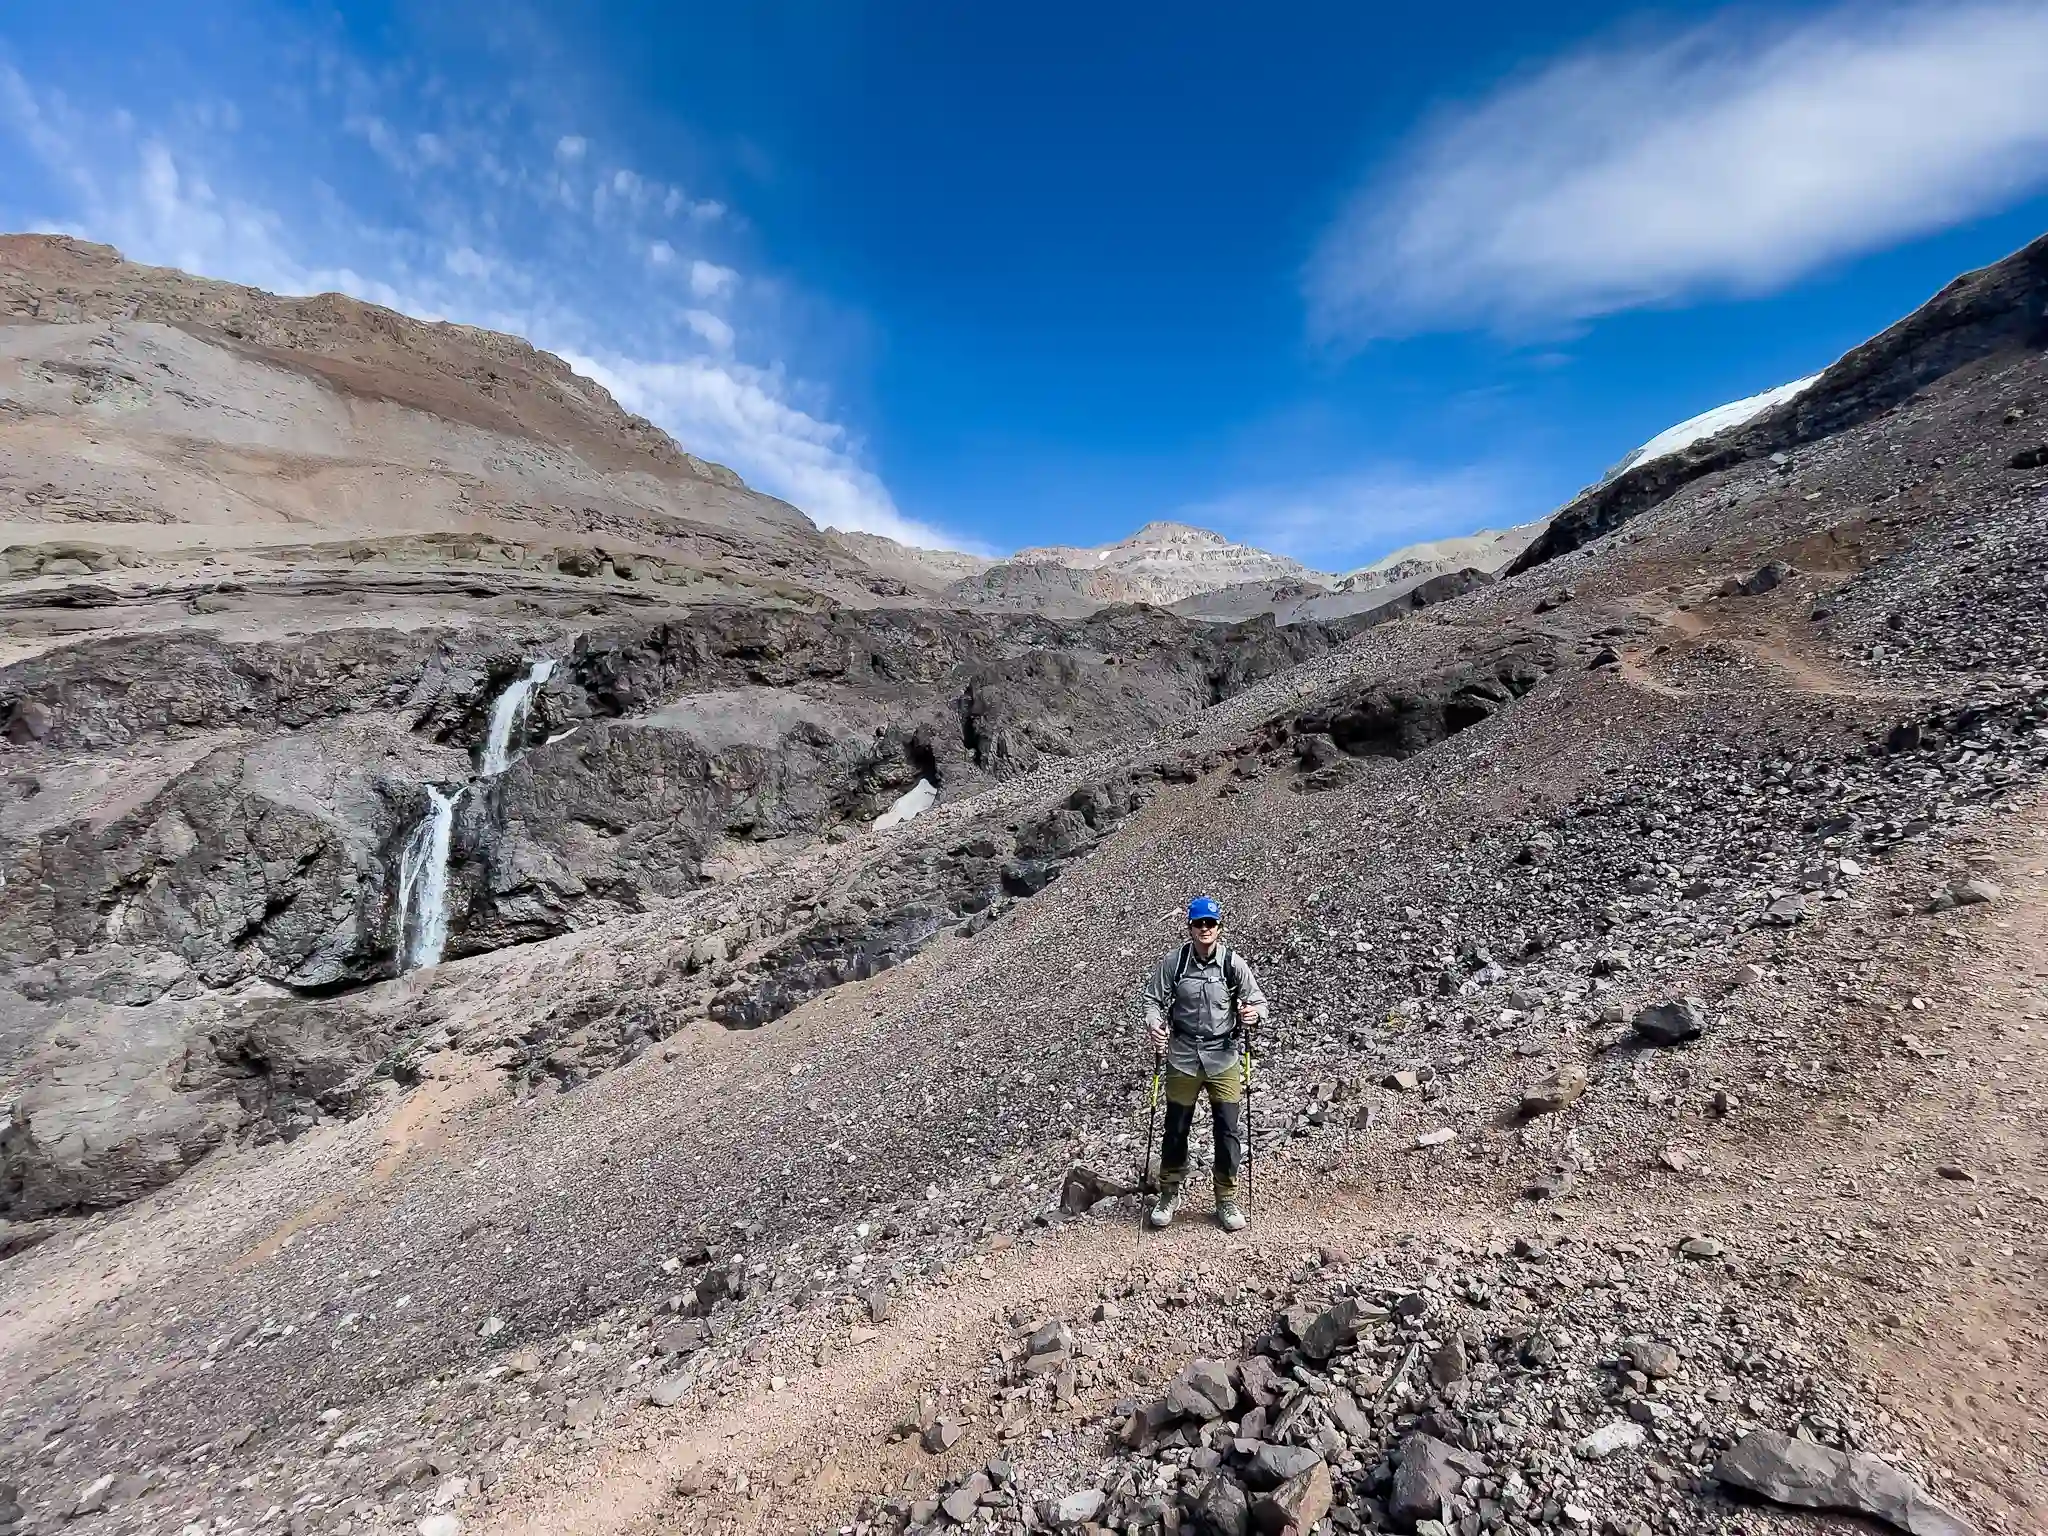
[(1156, 1028), (1250, 1013)]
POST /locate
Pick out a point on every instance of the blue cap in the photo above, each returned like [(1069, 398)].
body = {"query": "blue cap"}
[(1204, 906)]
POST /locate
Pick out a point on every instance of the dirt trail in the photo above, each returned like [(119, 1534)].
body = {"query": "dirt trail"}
[(1694, 630), (1970, 1364), (810, 1447)]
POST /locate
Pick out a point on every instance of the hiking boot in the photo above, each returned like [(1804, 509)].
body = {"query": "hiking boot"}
[(1229, 1216), (1161, 1214)]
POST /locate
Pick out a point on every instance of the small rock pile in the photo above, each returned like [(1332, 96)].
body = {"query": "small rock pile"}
[(1539, 1384)]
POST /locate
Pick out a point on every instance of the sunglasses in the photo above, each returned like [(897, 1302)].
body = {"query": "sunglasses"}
[(1204, 922)]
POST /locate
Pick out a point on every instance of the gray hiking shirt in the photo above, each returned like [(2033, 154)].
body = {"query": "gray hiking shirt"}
[(1203, 1041)]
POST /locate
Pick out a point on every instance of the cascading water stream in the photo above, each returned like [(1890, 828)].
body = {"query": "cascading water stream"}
[(423, 870), (508, 714), (423, 884)]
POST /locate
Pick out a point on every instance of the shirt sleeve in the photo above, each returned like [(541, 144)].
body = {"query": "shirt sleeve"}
[(1158, 994), (1248, 989)]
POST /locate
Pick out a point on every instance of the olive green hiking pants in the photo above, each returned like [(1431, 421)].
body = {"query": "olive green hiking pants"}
[(1225, 1088)]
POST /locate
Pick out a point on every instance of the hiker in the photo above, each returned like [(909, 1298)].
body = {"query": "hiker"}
[(1196, 1000)]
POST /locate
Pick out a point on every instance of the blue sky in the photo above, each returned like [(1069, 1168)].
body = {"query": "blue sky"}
[(1326, 280)]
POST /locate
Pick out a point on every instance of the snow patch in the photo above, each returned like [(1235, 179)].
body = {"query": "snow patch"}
[(912, 802), (1712, 423)]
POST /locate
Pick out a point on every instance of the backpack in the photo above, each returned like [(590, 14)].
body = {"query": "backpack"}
[(1187, 958)]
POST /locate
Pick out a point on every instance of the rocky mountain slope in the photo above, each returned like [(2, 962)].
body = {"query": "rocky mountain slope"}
[(1989, 313), (195, 441), (932, 571), (1489, 550), (1648, 1128), (1161, 563)]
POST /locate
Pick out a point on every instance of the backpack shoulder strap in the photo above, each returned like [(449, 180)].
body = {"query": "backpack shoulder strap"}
[(1229, 981), (1180, 966)]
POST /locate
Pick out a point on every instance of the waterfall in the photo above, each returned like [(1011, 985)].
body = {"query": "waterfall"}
[(423, 884), (423, 871), (508, 714)]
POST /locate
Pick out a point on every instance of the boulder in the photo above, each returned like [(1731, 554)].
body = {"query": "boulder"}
[(1296, 1505), (961, 1503), (1336, 1327), (1349, 1418), (1672, 1023), (1621, 1435), (1765, 578), (1077, 1508), (1448, 1365), (1221, 1508), (1426, 1473), (1084, 1187), (1048, 1349), (1798, 1473), (1785, 911), (1655, 1360), (1272, 1465), (28, 720), (1146, 1424), (667, 1391), (1202, 1391), (1560, 1090), (1260, 1380)]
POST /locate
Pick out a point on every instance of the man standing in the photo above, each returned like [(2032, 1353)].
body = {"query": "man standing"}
[(1196, 999)]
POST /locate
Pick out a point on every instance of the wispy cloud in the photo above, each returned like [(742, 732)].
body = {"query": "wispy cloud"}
[(713, 329), (742, 415), (485, 218), (1730, 159), (708, 280), (1341, 522)]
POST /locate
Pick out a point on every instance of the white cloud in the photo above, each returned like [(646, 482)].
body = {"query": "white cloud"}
[(1730, 159), (464, 262), (1339, 522), (709, 280), (570, 147), (711, 328), (661, 253), (727, 410)]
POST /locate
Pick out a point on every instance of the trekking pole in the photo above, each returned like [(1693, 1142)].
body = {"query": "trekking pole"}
[(1247, 1112), (1151, 1124)]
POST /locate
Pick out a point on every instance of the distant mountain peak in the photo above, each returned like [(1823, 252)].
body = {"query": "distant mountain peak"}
[(1193, 570), (1162, 531)]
